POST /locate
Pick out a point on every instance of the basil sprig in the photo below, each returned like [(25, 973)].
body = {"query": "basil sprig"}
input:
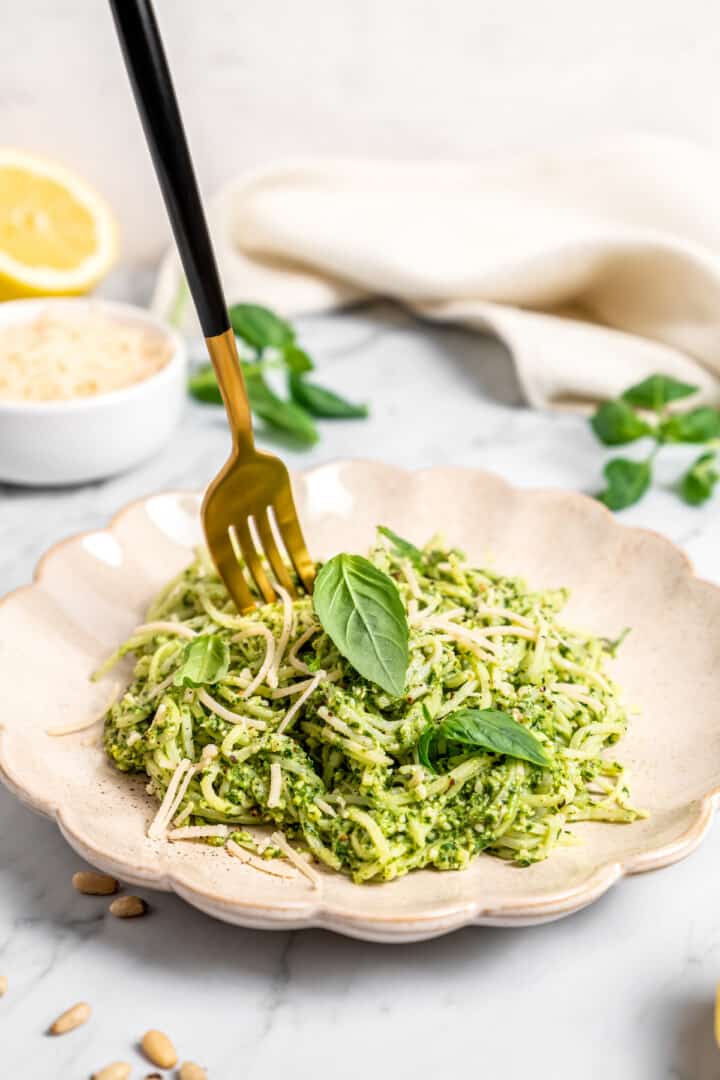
[(260, 328), (698, 483), (484, 729), (205, 660), (402, 547), (627, 482), (617, 423), (321, 402), (360, 610), (273, 344), (657, 391)]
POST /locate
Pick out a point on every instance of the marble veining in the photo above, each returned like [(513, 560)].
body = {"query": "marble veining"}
[(624, 989)]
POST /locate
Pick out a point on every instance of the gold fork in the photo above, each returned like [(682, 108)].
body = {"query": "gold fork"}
[(251, 497)]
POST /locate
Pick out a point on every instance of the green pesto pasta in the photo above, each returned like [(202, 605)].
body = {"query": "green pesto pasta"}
[(285, 733)]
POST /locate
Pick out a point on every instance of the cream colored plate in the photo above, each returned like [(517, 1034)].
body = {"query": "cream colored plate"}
[(91, 590)]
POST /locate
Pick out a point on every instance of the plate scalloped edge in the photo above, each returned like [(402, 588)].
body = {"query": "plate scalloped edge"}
[(384, 925)]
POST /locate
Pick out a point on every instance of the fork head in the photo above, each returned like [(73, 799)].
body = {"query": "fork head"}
[(247, 509)]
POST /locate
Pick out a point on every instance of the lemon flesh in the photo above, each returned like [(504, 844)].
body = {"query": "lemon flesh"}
[(57, 236)]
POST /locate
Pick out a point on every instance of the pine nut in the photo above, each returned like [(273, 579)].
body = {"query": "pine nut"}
[(3, 985), (119, 1070), (128, 907), (71, 1018), (158, 1048), (91, 883), (153, 1076), (190, 1071)]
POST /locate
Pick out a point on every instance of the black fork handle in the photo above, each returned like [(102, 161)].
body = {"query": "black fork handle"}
[(155, 97)]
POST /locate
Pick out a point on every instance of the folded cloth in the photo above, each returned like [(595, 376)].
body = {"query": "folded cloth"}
[(596, 264)]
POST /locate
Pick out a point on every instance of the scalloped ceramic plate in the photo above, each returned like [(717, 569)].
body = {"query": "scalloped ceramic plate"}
[(91, 590)]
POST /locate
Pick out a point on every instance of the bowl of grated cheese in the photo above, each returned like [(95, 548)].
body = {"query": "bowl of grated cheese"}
[(88, 388)]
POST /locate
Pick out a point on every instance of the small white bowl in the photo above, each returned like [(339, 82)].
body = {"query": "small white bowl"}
[(81, 439)]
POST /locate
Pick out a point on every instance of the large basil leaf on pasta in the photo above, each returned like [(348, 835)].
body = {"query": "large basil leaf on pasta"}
[(486, 729), (205, 660), (360, 610)]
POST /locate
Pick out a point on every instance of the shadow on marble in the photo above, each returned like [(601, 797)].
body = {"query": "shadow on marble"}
[(695, 1056), (484, 362), (481, 361)]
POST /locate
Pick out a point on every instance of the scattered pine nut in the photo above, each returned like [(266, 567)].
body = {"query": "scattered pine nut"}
[(71, 1018), (119, 1070), (91, 883), (158, 1049), (3, 985), (190, 1071), (128, 907)]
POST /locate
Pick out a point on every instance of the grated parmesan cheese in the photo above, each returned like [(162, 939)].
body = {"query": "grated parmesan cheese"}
[(57, 357), (296, 859), (257, 864), (275, 784)]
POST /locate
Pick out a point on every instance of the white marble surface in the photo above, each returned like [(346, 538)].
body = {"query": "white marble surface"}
[(622, 990)]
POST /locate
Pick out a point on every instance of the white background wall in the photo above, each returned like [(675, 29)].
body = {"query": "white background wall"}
[(262, 79)]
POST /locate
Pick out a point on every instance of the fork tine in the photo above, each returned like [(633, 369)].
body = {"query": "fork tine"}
[(289, 528), (267, 540), (252, 559), (230, 571)]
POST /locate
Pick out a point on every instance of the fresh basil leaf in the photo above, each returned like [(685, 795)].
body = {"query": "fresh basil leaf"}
[(404, 548), (697, 426), (424, 747), (205, 660), (616, 423), (286, 416), (486, 729), (321, 402), (297, 360), (260, 327), (627, 482), (657, 391), (360, 610), (203, 385), (698, 483)]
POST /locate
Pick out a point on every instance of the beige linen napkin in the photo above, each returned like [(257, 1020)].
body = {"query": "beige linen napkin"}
[(595, 264)]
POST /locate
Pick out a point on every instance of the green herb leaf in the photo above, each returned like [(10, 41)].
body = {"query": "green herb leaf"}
[(360, 610), (627, 482), (697, 426), (698, 483), (205, 660), (297, 360), (611, 645), (202, 384), (321, 402), (286, 416), (260, 328), (404, 548), (486, 729), (616, 423), (657, 391)]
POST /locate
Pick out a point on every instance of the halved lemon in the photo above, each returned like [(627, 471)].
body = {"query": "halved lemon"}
[(57, 236)]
